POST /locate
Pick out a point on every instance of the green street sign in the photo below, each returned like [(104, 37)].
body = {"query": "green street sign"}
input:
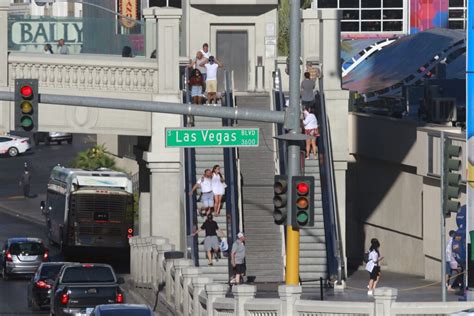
[(218, 137)]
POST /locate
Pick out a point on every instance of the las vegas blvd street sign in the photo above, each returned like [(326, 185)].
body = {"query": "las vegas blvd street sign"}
[(216, 137)]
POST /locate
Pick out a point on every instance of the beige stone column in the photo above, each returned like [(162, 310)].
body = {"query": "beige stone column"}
[(166, 190), (150, 31), (310, 39)]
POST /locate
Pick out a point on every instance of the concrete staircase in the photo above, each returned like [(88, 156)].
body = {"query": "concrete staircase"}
[(313, 258), (207, 158), (264, 238)]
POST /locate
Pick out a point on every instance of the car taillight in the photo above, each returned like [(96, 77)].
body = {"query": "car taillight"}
[(119, 298), (9, 257), (64, 299), (46, 255), (42, 285)]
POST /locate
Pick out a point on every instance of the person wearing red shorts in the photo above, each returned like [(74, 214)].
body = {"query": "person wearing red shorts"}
[(311, 129)]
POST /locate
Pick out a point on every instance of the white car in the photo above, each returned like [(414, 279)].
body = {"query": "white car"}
[(13, 145)]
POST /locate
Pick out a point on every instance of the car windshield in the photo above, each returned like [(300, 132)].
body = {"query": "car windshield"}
[(50, 271), (126, 311), (27, 248), (88, 275)]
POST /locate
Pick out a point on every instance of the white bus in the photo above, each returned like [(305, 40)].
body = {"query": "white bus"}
[(89, 208)]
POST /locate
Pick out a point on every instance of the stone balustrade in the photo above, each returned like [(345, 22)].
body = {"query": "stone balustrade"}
[(187, 292), (86, 72)]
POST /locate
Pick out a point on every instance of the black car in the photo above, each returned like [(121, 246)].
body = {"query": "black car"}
[(122, 310), (79, 288), (39, 288)]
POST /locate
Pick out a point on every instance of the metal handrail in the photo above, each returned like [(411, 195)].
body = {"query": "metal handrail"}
[(334, 246), (232, 196), (190, 178)]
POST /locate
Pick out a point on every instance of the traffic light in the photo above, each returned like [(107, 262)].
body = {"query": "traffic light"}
[(280, 189), (452, 177), (26, 104), (302, 199)]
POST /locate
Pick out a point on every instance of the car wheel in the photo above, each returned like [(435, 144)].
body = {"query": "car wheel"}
[(4, 274), (12, 152), (34, 305)]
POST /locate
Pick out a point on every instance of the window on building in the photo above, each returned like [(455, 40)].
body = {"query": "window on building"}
[(457, 14), (369, 15)]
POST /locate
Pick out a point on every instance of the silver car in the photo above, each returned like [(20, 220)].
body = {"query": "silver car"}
[(22, 256)]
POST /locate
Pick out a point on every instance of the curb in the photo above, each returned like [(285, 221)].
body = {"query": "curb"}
[(9, 211)]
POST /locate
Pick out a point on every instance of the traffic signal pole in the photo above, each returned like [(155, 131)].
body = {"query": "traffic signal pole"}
[(293, 124), (443, 220)]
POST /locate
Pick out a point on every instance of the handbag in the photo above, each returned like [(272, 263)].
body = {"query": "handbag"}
[(199, 196)]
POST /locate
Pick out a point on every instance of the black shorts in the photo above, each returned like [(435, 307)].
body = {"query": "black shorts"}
[(375, 273), (240, 268)]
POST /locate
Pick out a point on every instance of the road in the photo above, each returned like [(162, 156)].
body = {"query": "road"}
[(41, 159)]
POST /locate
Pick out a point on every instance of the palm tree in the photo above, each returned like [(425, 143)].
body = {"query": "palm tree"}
[(93, 158)]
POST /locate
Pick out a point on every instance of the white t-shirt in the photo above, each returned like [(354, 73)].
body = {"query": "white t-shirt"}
[(206, 54), (373, 258), (310, 121), (217, 185), (211, 70), (206, 184)]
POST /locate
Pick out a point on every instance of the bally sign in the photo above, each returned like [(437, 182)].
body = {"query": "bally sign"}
[(36, 32), (128, 8)]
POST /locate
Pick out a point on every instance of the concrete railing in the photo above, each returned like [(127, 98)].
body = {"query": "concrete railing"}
[(86, 72), (187, 292)]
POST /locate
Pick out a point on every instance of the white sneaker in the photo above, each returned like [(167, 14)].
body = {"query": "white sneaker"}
[(370, 293)]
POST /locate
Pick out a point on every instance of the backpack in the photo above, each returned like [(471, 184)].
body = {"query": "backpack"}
[(366, 257)]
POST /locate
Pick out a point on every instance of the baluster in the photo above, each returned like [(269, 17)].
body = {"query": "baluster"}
[(82, 77), (89, 76), (128, 73), (143, 80), (74, 75), (135, 79)]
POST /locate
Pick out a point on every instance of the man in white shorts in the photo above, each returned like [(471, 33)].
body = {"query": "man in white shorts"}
[(207, 197), (211, 82)]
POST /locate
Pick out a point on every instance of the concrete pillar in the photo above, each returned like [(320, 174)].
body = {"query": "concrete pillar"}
[(169, 288), (214, 292), (310, 44), (242, 293), (330, 35), (179, 265), (289, 294), (141, 261), (337, 106), (144, 214), (148, 260), (150, 31), (198, 286), (133, 257), (384, 298), (4, 105), (156, 241), (167, 37), (161, 261), (189, 273)]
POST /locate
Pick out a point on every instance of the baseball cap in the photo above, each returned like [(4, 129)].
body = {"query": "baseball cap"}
[(240, 235)]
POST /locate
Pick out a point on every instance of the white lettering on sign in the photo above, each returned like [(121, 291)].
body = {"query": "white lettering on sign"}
[(33, 32)]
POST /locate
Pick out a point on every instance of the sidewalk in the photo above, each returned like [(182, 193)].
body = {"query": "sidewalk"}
[(27, 208)]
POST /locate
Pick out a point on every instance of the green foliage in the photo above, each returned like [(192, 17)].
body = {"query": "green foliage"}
[(93, 158), (283, 28), (284, 25)]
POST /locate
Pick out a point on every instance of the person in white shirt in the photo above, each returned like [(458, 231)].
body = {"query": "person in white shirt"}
[(205, 50), (311, 129), (207, 197), (449, 257), (218, 188), (373, 265), (211, 65)]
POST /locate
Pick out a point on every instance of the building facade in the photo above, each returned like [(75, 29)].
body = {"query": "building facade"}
[(388, 18)]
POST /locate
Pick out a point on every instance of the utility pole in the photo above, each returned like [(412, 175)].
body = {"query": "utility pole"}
[(293, 124)]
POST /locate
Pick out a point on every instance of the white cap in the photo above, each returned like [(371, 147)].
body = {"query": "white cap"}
[(240, 235)]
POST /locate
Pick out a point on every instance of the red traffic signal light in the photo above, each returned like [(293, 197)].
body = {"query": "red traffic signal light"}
[(302, 188), (26, 91)]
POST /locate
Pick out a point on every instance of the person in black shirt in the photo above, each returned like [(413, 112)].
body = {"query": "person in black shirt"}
[(211, 242)]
